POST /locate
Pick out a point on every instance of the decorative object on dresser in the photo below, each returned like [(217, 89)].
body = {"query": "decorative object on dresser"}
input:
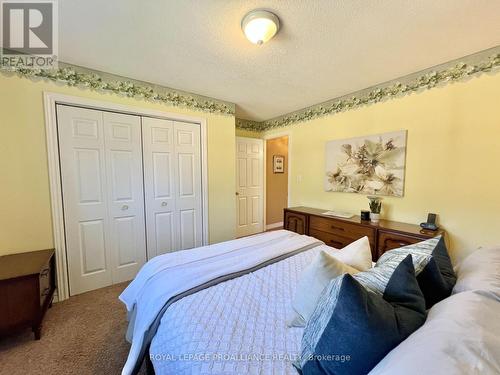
[(367, 165), (27, 284), (339, 232), (375, 208), (365, 215)]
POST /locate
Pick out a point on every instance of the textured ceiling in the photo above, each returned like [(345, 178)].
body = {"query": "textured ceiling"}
[(324, 50)]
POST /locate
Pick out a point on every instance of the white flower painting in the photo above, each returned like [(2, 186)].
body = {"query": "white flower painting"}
[(372, 165)]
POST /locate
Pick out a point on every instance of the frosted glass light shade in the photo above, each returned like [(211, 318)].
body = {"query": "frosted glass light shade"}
[(260, 26)]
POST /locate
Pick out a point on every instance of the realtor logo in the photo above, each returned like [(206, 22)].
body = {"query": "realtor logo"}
[(29, 33)]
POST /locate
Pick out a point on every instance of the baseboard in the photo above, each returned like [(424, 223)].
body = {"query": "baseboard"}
[(275, 225), (55, 299)]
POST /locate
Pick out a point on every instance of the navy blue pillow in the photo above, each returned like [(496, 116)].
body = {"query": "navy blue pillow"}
[(437, 279), (433, 267), (364, 326)]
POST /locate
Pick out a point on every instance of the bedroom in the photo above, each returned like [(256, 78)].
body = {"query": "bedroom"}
[(180, 137)]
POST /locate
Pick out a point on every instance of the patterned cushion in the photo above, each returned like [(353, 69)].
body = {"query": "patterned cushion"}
[(352, 329), (433, 267)]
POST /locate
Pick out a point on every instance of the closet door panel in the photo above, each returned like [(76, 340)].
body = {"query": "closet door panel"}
[(84, 187), (189, 200), (159, 181), (123, 149), (188, 230), (92, 247), (164, 228)]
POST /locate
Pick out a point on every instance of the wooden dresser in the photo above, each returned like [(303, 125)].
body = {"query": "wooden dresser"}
[(338, 232), (27, 284)]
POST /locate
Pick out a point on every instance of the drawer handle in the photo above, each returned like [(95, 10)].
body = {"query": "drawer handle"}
[(337, 228), (333, 242), (44, 273), (45, 292)]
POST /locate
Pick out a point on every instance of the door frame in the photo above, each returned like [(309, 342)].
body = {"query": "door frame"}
[(289, 166), (263, 176), (51, 100)]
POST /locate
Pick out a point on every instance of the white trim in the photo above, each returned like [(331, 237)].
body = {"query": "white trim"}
[(275, 225), (50, 102), (289, 166)]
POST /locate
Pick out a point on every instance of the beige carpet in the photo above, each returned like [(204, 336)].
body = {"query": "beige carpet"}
[(83, 335)]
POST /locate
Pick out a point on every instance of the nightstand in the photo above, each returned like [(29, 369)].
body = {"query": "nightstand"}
[(27, 284)]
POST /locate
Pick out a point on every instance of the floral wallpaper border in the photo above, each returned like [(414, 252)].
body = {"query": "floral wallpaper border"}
[(250, 125), (431, 79), (86, 78)]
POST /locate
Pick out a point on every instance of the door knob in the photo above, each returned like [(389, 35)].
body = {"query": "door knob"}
[(164, 204), (237, 193), (124, 207)]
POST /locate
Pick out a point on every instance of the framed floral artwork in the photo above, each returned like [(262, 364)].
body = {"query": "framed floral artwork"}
[(278, 164), (372, 165)]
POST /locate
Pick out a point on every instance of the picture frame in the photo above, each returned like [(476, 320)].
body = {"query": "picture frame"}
[(278, 164), (371, 165)]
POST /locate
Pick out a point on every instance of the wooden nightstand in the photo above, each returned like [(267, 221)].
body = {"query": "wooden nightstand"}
[(27, 284)]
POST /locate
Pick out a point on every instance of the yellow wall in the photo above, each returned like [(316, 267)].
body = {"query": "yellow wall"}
[(25, 218), (276, 183), (452, 165)]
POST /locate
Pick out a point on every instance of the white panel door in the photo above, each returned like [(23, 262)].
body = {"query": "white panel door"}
[(249, 185), (102, 185), (84, 187), (172, 181), (123, 150), (159, 185), (188, 190)]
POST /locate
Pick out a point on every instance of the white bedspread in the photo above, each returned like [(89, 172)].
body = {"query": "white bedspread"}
[(171, 274), (236, 327)]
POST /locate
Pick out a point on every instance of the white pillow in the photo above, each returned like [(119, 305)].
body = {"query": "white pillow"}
[(315, 277), (479, 271), (357, 254), (461, 336)]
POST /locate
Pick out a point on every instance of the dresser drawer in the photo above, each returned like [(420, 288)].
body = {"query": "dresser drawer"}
[(330, 239), (295, 222), (341, 228), (388, 241)]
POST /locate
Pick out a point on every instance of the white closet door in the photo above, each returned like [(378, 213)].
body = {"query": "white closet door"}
[(159, 177), (250, 186), (84, 186), (172, 180), (188, 190), (123, 147), (102, 184)]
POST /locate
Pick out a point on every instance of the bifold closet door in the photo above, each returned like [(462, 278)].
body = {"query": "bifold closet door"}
[(172, 181), (101, 173)]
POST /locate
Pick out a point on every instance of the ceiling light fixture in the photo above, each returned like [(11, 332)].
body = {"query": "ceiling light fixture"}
[(260, 26)]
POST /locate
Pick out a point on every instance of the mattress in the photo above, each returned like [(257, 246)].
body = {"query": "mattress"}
[(236, 327)]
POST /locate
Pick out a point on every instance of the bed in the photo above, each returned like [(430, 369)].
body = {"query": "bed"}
[(220, 309)]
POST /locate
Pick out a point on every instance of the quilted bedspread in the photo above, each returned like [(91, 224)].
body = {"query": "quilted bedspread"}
[(171, 277), (235, 327)]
